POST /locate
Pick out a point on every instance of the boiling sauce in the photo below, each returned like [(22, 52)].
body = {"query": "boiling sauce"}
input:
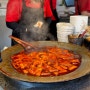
[(52, 61)]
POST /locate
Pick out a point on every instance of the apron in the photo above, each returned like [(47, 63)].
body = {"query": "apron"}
[(30, 19)]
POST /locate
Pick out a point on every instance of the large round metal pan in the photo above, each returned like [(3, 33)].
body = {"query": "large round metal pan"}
[(7, 69)]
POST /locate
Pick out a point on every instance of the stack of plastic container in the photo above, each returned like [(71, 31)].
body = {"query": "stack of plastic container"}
[(63, 30)]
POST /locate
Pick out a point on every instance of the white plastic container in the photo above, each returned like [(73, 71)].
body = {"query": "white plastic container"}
[(63, 30), (80, 22)]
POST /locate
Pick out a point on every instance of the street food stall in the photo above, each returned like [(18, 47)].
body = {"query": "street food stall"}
[(50, 65)]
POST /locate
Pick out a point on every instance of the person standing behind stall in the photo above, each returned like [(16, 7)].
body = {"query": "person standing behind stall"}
[(53, 28), (29, 19), (82, 7)]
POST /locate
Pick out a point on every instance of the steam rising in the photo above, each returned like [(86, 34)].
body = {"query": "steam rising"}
[(30, 17)]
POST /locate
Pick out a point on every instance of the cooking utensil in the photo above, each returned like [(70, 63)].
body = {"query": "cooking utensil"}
[(26, 45), (84, 32), (81, 35), (6, 67)]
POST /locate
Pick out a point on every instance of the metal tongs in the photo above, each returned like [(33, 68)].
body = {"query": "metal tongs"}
[(26, 45)]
